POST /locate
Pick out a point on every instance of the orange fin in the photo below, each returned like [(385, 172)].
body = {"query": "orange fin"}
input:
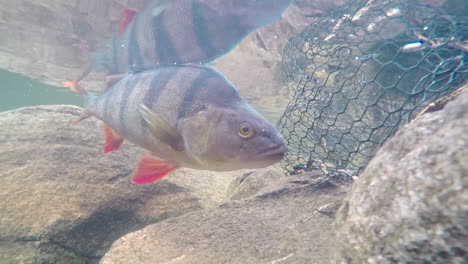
[(151, 169), (128, 15), (113, 140), (74, 86)]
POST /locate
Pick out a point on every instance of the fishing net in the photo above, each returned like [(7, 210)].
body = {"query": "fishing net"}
[(363, 72)]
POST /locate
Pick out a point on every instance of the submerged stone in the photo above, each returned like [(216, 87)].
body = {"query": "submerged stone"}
[(64, 201), (411, 203)]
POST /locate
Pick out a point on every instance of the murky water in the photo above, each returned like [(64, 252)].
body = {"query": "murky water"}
[(20, 91)]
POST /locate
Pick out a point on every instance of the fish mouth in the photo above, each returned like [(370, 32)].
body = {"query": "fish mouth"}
[(275, 153)]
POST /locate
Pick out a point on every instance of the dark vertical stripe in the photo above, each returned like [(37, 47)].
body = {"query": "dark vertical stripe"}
[(158, 84), (190, 96), (135, 61), (201, 32), (109, 99), (164, 48), (130, 86)]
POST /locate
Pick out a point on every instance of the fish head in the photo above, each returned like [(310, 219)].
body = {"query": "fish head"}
[(232, 138)]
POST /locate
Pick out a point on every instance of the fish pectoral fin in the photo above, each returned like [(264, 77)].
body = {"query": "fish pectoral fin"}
[(161, 129), (113, 140), (151, 169)]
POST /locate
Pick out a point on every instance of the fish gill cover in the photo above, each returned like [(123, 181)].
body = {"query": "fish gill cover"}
[(363, 72)]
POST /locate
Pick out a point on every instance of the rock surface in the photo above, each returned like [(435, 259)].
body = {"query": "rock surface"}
[(411, 203), (284, 222), (63, 201)]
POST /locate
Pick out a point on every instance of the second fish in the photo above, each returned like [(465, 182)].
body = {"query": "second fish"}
[(184, 31)]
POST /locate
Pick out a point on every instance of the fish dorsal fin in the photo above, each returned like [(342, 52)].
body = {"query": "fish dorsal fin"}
[(113, 140), (161, 129), (151, 169), (127, 18), (112, 79)]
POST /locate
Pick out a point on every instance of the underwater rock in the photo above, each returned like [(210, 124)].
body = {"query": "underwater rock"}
[(411, 203), (250, 183), (280, 223), (63, 201)]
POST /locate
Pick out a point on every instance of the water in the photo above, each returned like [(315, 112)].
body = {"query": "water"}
[(62, 200), (21, 91)]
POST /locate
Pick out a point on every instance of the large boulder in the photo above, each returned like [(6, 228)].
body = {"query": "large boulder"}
[(63, 201), (288, 220), (411, 203)]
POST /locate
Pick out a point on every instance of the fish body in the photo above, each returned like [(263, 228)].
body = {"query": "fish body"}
[(185, 31), (185, 116)]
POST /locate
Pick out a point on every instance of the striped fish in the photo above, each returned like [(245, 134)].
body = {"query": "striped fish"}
[(185, 116), (172, 32)]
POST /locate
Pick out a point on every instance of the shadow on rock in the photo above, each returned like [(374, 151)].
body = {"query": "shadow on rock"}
[(63, 201)]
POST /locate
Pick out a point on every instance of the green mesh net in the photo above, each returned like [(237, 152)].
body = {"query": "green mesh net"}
[(363, 72)]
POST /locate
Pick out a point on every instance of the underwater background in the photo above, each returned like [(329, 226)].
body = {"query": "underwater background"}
[(369, 95), (21, 91)]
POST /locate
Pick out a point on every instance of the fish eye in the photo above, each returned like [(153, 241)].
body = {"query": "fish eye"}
[(245, 130)]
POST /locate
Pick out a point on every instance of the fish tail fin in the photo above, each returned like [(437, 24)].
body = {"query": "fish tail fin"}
[(76, 87)]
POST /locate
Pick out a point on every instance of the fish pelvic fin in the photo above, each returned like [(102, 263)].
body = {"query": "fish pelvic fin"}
[(113, 140), (151, 169), (161, 129)]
